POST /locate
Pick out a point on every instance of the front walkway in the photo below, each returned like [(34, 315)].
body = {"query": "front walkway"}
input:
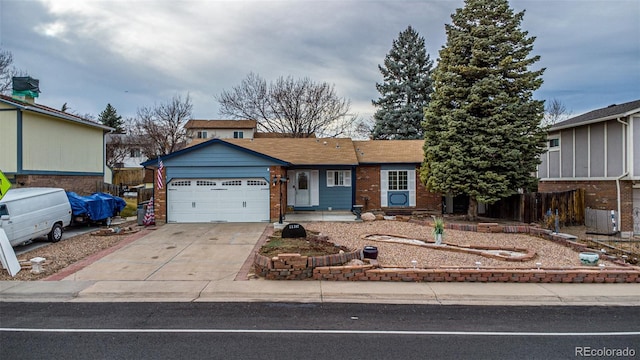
[(311, 216)]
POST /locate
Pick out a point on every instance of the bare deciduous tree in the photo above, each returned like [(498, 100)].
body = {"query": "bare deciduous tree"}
[(7, 71), (117, 150), (554, 112), (297, 108), (163, 126)]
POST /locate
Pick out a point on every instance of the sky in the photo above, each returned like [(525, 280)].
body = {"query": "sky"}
[(141, 53)]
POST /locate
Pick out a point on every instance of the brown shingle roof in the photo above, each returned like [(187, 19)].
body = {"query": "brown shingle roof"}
[(330, 151), (220, 124), (389, 151)]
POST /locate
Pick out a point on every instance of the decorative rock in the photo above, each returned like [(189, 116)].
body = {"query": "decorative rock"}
[(368, 217)]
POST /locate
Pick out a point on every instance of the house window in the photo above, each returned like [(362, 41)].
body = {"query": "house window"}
[(398, 180), (134, 153), (202, 135), (238, 134), (338, 178), (554, 144)]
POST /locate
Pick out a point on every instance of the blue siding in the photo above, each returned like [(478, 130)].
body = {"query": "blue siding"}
[(217, 155), (217, 172), (397, 198), (336, 197), (410, 167)]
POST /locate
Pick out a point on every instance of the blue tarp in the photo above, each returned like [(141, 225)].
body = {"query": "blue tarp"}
[(96, 207)]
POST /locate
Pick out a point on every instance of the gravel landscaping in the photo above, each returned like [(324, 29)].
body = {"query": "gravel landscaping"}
[(549, 254)]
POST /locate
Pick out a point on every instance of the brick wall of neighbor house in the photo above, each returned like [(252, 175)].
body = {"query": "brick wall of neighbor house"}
[(82, 185), (601, 195), (368, 186), (160, 199), (274, 194)]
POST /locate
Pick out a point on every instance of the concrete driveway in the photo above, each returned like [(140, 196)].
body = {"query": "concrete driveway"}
[(179, 252)]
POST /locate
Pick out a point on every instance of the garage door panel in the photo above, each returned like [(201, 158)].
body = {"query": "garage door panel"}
[(213, 200)]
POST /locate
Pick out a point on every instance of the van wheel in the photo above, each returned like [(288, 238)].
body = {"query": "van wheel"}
[(56, 233)]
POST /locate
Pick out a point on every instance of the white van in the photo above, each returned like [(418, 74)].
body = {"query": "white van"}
[(28, 213)]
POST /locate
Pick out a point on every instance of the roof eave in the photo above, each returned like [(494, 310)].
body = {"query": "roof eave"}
[(61, 116), (597, 120)]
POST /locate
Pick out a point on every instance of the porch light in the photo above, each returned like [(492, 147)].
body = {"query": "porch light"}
[(279, 179)]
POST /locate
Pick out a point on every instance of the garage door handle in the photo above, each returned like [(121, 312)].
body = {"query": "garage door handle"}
[(193, 204)]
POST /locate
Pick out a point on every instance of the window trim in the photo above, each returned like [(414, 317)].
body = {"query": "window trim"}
[(333, 175), (202, 134), (237, 134), (394, 184), (553, 138)]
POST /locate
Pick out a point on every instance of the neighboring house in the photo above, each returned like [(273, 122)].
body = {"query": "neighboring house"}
[(42, 146), (220, 129), (233, 179), (600, 152), (126, 156)]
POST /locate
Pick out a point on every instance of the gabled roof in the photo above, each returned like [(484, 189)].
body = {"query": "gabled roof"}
[(220, 124), (45, 110), (389, 151), (608, 113), (305, 151), (327, 151), (194, 146)]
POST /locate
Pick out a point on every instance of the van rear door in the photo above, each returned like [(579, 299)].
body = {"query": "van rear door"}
[(5, 221)]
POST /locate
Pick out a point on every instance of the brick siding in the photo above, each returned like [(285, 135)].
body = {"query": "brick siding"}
[(82, 185), (368, 190), (600, 195)]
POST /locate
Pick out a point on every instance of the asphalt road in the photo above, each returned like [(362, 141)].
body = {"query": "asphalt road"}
[(314, 331)]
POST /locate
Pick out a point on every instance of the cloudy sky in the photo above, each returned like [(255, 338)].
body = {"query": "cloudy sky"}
[(139, 53)]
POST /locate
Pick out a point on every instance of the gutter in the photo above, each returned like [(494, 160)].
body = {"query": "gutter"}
[(618, 182)]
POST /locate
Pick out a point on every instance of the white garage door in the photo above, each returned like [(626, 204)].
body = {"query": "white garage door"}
[(213, 200)]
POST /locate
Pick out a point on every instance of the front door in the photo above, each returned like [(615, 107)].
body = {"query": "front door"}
[(303, 191)]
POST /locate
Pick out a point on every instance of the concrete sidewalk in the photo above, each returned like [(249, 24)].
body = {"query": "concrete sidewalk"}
[(201, 262)]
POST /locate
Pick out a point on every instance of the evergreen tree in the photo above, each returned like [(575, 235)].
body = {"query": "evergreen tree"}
[(482, 127), (406, 89), (109, 117)]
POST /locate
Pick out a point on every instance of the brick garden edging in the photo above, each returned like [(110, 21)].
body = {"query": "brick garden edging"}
[(297, 267), (330, 267)]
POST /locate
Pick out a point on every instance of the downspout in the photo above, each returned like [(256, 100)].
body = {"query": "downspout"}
[(619, 224)]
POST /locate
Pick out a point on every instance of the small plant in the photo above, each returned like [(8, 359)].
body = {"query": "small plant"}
[(438, 229), (438, 226)]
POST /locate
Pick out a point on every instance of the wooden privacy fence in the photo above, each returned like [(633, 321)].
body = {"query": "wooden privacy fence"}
[(143, 194), (533, 207)]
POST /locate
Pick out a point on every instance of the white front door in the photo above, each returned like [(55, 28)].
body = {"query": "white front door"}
[(303, 188)]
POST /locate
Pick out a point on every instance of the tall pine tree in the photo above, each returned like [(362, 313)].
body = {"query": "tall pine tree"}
[(109, 117), (406, 89), (482, 128)]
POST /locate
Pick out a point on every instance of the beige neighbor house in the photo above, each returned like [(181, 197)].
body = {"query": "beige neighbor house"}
[(253, 180), (42, 146), (600, 152)]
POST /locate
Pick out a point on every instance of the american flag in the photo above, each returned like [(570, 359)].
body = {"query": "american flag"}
[(159, 175)]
